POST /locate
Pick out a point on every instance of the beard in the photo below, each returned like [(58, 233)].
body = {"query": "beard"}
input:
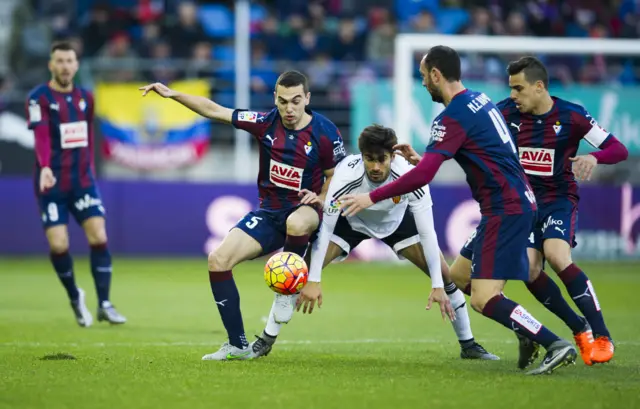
[(436, 95), (62, 82)]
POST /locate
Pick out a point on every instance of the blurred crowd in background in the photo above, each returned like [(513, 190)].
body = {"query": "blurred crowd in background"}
[(333, 41)]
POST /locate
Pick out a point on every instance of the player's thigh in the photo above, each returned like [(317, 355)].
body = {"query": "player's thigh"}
[(415, 254), (482, 290), (303, 220), (54, 209), (95, 230), (85, 204), (344, 239), (536, 260), (58, 238), (558, 235), (460, 271), (333, 252), (236, 247), (500, 247)]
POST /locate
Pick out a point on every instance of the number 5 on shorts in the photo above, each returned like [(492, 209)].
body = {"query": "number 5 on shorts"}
[(253, 222)]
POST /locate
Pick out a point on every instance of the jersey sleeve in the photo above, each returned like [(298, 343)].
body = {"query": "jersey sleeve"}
[(37, 111), (331, 210), (422, 209), (447, 137), (589, 129), (256, 123), (38, 121), (332, 149), (399, 168)]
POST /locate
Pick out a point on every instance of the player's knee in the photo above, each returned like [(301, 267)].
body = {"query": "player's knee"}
[(299, 225), (558, 254), (560, 263), (98, 237), (534, 270), (58, 245), (478, 301), (219, 261), (559, 260)]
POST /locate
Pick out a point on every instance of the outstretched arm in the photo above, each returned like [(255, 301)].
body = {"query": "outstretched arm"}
[(200, 105), (417, 177)]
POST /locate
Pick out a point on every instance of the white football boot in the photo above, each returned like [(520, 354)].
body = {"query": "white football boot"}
[(83, 316), (107, 312), (229, 353)]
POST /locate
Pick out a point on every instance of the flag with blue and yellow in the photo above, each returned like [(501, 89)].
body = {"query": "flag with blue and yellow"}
[(151, 132)]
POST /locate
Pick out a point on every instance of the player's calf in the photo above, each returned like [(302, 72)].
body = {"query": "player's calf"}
[(237, 246), (579, 287), (101, 268), (300, 225), (516, 318)]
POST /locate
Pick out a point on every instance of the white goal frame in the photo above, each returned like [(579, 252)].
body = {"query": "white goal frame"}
[(407, 44)]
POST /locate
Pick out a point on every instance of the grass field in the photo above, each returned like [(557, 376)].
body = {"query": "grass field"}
[(372, 345)]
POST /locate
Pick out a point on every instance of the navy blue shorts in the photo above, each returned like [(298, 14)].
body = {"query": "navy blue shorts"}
[(556, 220), (498, 247), (81, 203), (267, 227)]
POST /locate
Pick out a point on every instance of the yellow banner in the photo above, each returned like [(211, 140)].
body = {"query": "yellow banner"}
[(122, 104)]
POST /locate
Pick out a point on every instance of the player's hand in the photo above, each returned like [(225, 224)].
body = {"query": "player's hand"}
[(309, 295), (583, 166), (159, 89), (354, 204), (446, 309), (310, 198), (47, 180), (406, 151)]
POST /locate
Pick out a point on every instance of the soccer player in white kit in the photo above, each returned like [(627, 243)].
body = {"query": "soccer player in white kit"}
[(403, 223)]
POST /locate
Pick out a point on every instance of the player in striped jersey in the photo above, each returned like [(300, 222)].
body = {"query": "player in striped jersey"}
[(405, 223), (299, 150), (61, 117), (548, 131)]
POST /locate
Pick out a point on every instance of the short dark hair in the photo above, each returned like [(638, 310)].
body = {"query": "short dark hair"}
[(377, 139), (62, 46), (289, 79), (446, 60), (534, 70)]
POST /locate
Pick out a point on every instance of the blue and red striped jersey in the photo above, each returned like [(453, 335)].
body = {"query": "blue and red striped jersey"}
[(291, 160), (546, 142), (472, 131), (63, 126)]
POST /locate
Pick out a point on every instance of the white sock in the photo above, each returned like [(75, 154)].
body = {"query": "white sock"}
[(272, 328), (462, 325)]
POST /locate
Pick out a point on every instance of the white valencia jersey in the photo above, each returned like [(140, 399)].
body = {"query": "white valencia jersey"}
[(380, 220)]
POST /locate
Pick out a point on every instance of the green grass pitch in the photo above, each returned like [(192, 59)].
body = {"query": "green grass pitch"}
[(372, 345)]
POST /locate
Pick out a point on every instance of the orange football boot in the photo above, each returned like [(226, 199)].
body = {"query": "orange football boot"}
[(584, 341), (602, 350)]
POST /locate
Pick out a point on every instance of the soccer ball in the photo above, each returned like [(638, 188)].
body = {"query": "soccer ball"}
[(286, 273)]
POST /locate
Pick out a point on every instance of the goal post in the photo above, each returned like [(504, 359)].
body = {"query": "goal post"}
[(407, 44)]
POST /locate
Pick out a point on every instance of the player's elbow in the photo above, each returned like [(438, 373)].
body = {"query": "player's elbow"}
[(624, 152)]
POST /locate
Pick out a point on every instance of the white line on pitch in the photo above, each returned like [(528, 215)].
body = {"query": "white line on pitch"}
[(280, 342)]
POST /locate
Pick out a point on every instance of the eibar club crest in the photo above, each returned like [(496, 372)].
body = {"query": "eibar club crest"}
[(307, 148), (557, 127)]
